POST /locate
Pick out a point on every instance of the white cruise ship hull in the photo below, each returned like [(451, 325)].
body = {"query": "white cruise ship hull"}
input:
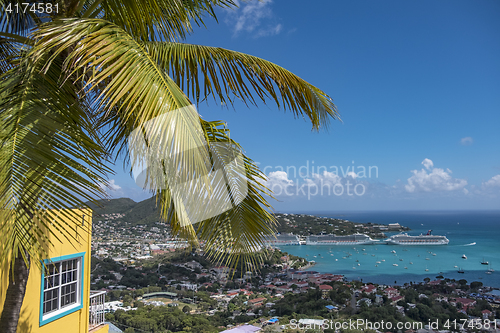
[(417, 240), (368, 242)]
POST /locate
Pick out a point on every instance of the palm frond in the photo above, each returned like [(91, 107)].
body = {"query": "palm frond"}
[(9, 53), (227, 75), (155, 19), (129, 87), (49, 162), (237, 234), (14, 19)]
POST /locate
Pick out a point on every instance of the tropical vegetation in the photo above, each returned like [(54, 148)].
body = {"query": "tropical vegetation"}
[(79, 76)]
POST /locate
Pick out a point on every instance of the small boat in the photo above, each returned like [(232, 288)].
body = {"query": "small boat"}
[(393, 251), (406, 267), (336, 260), (394, 264), (433, 254), (359, 264), (427, 259), (464, 256), (400, 259), (488, 272), (376, 265), (455, 266), (411, 262), (378, 262), (373, 255), (426, 269), (484, 262), (461, 271), (383, 259)]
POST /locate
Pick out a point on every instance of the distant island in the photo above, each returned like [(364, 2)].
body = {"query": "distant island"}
[(305, 225), (125, 218)]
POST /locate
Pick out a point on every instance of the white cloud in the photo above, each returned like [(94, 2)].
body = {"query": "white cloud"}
[(493, 182), (111, 186), (269, 31), (331, 184), (427, 163), (433, 181), (278, 179), (255, 17), (352, 174), (327, 178), (467, 141)]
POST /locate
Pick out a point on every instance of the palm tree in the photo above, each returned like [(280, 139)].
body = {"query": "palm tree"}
[(79, 76)]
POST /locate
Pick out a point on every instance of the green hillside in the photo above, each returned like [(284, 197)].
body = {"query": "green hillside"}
[(108, 206), (147, 213), (144, 212)]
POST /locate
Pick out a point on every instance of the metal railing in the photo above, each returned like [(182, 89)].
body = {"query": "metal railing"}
[(96, 309)]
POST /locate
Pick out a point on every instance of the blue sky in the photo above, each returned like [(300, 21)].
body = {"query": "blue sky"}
[(417, 85)]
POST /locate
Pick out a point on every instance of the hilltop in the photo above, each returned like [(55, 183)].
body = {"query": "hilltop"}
[(126, 213), (135, 213)]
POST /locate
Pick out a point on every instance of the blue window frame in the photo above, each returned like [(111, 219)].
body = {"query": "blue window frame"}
[(61, 287)]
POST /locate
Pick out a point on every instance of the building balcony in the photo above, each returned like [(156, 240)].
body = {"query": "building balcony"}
[(96, 309)]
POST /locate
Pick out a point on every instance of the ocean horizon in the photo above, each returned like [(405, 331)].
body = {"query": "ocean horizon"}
[(473, 233)]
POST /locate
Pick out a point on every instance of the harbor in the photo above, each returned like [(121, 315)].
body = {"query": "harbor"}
[(469, 247)]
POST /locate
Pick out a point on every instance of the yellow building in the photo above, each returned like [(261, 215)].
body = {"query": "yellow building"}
[(58, 298)]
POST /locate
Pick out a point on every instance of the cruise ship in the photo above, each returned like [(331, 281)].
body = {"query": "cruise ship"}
[(356, 239), (282, 239), (428, 239)]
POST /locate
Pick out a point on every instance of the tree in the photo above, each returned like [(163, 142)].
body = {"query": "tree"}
[(476, 285), (77, 83)]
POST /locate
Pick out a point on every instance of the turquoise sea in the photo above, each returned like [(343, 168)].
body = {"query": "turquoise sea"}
[(462, 228)]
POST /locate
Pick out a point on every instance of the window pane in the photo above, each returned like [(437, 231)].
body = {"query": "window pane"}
[(50, 300), (54, 304), (68, 294), (49, 270), (60, 284)]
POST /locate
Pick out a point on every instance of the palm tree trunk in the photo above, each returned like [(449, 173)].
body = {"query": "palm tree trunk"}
[(14, 296)]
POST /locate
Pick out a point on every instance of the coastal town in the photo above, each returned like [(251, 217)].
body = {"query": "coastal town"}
[(156, 283)]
